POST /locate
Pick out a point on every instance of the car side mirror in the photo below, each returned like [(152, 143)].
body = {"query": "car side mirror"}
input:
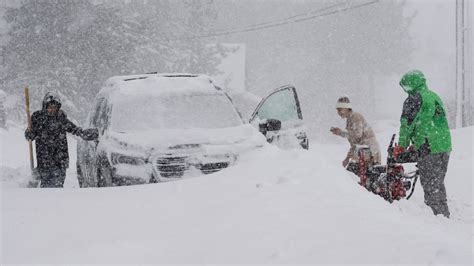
[(269, 125)]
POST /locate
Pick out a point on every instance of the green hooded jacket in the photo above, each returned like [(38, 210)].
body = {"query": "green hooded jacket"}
[(423, 121)]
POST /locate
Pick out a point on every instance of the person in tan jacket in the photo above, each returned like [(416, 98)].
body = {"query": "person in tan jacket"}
[(358, 132)]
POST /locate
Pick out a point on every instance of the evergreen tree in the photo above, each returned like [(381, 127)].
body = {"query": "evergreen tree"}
[(71, 47), (63, 47), (167, 30)]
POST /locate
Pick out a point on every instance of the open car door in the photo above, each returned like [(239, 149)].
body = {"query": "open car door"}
[(278, 117)]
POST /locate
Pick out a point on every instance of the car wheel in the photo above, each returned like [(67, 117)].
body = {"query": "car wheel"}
[(104, 174)]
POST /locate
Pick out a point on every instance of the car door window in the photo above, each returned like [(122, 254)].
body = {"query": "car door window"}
[(102, 117), (96, 115), (280, 105)]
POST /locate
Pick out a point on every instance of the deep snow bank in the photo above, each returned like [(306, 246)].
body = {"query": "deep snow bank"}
[(14, 159), (273, 207)]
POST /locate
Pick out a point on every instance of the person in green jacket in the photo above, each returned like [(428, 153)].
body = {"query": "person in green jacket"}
[(424, 127)]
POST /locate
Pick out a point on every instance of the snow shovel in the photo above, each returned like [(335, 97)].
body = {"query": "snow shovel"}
[(34, 180)]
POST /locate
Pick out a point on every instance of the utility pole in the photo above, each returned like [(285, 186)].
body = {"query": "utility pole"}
[(469, 85), (463, 66)]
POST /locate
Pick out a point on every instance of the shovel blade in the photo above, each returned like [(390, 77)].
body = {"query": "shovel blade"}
[(35, 179)]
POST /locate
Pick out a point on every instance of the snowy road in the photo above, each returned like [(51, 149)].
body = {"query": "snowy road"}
[(273, 207)]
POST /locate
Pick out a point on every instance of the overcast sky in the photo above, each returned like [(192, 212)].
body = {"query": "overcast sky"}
[(433, 30)]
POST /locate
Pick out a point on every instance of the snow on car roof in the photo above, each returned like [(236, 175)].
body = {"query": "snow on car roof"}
[(151, 84)]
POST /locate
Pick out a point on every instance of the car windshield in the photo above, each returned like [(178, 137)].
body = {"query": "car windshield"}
[(171, 111)]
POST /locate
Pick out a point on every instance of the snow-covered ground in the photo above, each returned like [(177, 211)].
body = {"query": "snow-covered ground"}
[(274, 206)]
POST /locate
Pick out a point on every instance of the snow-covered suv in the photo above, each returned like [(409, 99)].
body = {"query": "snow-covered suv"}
[(159, 127)]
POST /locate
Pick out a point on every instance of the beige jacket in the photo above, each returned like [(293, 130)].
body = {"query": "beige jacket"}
[(359, 132)]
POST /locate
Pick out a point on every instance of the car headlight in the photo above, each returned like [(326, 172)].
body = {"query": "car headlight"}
[(118, 158)]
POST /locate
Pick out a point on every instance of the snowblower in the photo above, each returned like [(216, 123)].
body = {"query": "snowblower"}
[(388, 181)]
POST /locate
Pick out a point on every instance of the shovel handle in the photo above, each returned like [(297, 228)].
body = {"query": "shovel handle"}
[(28, 117)]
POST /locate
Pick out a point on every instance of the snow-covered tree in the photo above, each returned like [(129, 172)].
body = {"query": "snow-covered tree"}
[(168, 36), (64, 47), (72, 47)]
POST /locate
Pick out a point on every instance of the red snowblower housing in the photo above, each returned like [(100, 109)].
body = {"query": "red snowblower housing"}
[(388, 181)]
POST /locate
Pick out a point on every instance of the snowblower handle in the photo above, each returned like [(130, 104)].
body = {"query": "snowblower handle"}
[(28, 116), (391, 141)]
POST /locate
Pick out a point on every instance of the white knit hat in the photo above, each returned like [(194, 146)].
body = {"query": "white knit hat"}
[(344, 102)]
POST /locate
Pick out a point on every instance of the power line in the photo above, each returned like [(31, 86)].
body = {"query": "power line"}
[(284, 19), (274, 24)]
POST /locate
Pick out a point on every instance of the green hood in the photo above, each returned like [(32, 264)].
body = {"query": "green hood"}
[(413, 81), (423, 122)]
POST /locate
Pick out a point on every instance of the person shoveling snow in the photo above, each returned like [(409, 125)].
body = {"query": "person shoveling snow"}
[(48, 129)]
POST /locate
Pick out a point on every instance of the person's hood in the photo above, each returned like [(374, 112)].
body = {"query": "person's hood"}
[(413, 81), (50, 98)]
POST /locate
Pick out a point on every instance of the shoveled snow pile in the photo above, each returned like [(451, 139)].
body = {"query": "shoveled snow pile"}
[(273, 206)]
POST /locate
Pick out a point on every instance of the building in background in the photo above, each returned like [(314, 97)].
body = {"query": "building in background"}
[(233, 79)]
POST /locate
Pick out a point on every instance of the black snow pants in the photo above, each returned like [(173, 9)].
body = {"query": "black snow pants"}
[(52, 178), (433, 168)]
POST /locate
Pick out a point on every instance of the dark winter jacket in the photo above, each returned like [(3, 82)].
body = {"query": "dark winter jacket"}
[(49, 133)]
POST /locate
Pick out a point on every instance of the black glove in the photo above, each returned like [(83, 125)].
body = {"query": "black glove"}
[(29, 135), (77, 131), (90, 134)]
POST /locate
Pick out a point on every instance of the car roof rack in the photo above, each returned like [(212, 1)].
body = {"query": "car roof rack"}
[(173, 75), (135, 78), (163, 75)]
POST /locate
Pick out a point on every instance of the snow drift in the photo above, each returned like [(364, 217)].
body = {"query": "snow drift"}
[(273, 206)]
